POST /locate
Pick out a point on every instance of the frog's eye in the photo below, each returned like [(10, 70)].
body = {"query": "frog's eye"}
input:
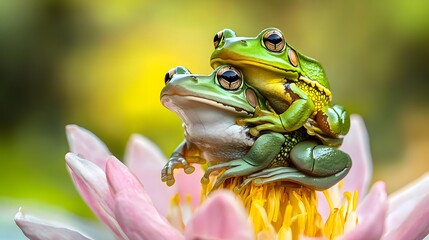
[(169, 75), (218, 39), (229, 78), (274, 41)]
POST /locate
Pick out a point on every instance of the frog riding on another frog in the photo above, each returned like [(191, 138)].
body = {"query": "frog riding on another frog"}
[(209, 106), (295, 85)]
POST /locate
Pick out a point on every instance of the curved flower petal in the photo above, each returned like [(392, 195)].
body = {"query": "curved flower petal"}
[(36, 229), (409, 211), (356, 144), (91, 182), (85, 143), (221, 217), (146, 161), (134, 210), (372, 213)]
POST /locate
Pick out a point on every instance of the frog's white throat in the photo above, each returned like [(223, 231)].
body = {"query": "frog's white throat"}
[(211, 126)]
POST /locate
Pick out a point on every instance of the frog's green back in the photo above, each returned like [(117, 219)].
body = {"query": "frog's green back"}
[(313, 69)]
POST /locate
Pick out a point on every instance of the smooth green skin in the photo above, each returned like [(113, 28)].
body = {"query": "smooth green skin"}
[(268, 72), (316, 166)]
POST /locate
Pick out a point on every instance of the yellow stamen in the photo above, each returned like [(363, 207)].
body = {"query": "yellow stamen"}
[(281, 211)]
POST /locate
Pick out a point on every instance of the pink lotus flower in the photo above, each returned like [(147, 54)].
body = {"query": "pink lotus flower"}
[(134, 203)]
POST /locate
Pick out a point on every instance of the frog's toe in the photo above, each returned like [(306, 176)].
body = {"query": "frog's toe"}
[(205, 180), (234, 168), (274, 127), (165, 173), (260, 112), (232, 172), (269, 172), (244, 121), (175, 162), (168, 179), (224, 176), (254, 132), (256, 178), (189, 169), (241, 121), (170, 182), (300, 178), (216, 168)]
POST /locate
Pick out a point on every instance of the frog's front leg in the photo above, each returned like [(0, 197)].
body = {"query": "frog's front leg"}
[(176, 161), (260, 155), (332, 121), (294, 117)]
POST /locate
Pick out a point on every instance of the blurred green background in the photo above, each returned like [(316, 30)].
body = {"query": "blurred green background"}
[(101, 65)]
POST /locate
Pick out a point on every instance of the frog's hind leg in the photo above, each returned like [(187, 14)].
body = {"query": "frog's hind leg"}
[(318, 160), (313, 165), (260, 155)]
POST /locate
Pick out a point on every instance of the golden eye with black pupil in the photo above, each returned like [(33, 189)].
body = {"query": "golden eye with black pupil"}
[(217, 39), (273, 41), (229, 78), (169, 75)]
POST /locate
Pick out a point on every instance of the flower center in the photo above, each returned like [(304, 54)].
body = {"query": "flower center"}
[(281, 211)]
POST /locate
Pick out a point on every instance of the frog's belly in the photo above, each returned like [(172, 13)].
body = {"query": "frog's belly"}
[(221, 142), (211, 127)]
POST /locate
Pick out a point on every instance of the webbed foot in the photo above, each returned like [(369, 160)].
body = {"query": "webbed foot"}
[(176, 161), (233, 168), (312, 130), (331, 122), (260, 155), (292, 175), (313, 165), (263, 123)]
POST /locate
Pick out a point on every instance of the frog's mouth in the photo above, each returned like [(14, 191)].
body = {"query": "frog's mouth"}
[(219, 60), (179, 101), (219, 105)]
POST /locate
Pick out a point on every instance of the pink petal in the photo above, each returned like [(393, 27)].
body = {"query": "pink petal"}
[(220, 217), (356, 144), (408, 216), (190, 185), (134, 210), (86, 144), (372, 213), (91, 182), (36, 229), (146, 161)]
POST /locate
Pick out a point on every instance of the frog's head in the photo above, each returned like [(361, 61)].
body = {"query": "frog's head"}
[(221, 94), (267, 51)]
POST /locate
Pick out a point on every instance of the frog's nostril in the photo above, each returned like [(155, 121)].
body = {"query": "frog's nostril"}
[(167, 78), (169, 75), (244, 42), (194, 78)]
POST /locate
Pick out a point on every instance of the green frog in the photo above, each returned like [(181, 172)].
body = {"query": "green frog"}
[(295, 85), (209, 106)]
